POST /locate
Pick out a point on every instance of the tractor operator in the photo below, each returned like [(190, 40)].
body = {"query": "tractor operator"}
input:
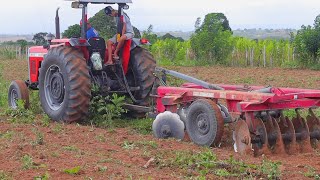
[(126, 33), (91, 32)]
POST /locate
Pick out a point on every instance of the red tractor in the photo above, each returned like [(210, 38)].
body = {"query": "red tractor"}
[(65, 70)]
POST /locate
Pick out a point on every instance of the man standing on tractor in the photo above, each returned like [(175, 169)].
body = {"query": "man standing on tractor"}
[(126, 33), (91, 32)]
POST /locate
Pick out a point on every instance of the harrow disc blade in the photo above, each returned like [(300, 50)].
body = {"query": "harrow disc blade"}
[(241, 137), (260, 147), (314, 128), (274, 136), (167, 125), (289, 135), (302, 129)]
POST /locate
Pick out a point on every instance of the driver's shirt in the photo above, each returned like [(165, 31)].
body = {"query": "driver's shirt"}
[(92, 33)]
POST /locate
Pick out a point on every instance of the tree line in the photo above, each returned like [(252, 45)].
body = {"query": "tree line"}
[(213, 42)]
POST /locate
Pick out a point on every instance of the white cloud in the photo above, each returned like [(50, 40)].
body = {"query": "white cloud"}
[(38, 15)]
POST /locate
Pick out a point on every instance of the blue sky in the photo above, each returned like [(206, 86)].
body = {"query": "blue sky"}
[(32, 16)]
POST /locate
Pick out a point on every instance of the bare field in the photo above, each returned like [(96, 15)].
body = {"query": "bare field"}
[(61, 151)]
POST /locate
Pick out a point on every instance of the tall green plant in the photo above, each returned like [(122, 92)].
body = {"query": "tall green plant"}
[(213, 41)]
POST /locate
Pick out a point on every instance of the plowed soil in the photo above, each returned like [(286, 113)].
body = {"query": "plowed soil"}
[(122, 153)]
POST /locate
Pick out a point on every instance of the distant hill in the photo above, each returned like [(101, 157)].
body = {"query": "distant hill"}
[(248, 33), (264, 33), (183, 35), (6, 37)]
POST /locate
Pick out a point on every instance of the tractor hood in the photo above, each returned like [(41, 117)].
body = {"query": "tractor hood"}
[(102, 1)]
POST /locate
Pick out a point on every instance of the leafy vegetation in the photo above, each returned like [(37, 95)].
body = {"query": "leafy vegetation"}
[(204, 164), (45, 176), (3, 94), (4, 175), (271, 169), (73, 171), (105, 109), (27, 162)]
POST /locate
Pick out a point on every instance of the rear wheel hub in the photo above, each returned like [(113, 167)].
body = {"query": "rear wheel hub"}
[(54, 89), (57, 87)]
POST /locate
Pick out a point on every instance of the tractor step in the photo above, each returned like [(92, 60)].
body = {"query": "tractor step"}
[(138, 108)]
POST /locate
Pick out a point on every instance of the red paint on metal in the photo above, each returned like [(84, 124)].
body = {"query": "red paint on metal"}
[(36, 54), (126, 55), (241, 101)]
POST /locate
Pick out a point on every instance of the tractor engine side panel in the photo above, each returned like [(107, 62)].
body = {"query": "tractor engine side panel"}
[(35, 57)]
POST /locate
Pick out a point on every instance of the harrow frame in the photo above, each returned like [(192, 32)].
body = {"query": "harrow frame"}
[(246, 103)]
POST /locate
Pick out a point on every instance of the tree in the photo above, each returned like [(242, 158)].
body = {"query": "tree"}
[(72, 31), (148, 34), (106, 25), (23, 44), (214, 21), (197, 23), (213, 41), (39, 38), (307, 41)]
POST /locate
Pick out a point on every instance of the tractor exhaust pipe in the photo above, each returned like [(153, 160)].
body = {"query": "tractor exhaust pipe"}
[(57, 24)]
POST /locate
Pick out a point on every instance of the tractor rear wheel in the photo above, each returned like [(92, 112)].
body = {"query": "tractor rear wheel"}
[(64, 84), (141, 74)]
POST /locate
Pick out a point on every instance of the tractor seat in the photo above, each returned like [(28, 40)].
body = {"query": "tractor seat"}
[(97, 45)]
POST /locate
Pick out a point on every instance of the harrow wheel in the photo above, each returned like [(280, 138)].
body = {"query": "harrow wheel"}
[(242, 138), (205, 124)]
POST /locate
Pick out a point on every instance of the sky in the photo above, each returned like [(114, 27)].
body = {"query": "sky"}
[(32, 16)]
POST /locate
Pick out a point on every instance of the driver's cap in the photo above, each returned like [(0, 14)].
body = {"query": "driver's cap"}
[(108, 10)]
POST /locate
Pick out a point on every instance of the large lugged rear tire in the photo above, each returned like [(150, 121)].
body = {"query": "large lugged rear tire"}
[(141, 74), (64, 84)]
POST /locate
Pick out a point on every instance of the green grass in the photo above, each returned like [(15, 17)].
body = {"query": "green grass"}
[(45, 176), (3, 90), (71, 148), (7, 53), (39, 137), (270, 169), (199, 165), (7, 135), (27, 162), (73, 171), (5, 176)]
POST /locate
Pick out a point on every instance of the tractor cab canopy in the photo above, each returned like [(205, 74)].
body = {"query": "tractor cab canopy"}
[(102, 1)]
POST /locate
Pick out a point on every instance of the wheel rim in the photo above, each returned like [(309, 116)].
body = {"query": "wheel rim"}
[(13, 98), (203, 124), (54, 87)]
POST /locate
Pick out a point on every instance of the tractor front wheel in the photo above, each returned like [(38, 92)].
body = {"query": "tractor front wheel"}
[(18, 90), (64, 84)]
